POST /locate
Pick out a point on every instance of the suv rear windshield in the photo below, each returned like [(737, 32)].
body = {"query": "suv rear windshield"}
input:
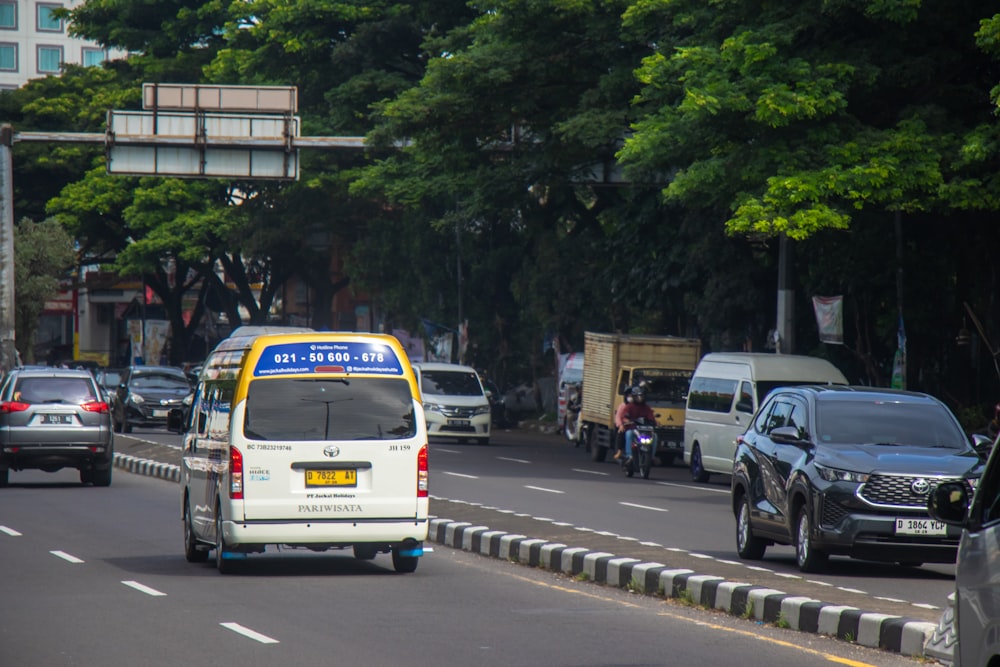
[(329, 409), (54, 390), (888, 423), (450, 383)]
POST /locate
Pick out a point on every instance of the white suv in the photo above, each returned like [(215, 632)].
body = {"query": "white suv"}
[(455, 404)]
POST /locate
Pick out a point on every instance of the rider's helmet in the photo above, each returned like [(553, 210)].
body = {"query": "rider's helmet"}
[(638, 394)]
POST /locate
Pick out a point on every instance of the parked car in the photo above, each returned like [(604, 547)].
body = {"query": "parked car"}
[(54, 418), (498, 403), (848, 470), (977, 573), (455, 403), (147, 394)]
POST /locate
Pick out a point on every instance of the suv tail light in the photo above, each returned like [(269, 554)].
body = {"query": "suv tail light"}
[(422, 472), (95, 406), (13, 406), (235, 474)]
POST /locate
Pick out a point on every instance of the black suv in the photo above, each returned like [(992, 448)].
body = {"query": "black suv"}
[(147, 394), (848, 470)]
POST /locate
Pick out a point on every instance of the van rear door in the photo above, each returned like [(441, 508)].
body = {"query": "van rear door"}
[(328, 448)]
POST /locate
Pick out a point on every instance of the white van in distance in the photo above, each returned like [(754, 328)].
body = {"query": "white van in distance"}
[(305, 440), (726, 390), (455, 403)]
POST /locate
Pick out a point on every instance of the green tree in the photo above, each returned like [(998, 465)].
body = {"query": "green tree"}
[(43, 254)]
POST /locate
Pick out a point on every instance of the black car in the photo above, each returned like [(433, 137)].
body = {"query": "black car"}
[(147, 394), (848, 470)]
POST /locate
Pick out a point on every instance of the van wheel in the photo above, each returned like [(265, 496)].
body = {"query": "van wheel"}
[(191, 551), (748, 546), (404, 564), (598, 452), (223, 562), (809, 558), (98, 476), (698, 472), (5, 477), (365, 551)]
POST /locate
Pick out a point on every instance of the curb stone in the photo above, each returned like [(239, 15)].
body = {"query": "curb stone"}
[(907, 636), (898, 634)]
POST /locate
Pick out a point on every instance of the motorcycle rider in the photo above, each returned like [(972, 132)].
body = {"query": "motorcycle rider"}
[(619, 424), (636, 410)]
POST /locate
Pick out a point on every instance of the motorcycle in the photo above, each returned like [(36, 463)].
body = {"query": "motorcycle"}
[(643, 444)]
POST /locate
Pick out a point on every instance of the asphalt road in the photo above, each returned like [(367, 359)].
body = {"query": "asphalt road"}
[(540, 485), (95, 576)]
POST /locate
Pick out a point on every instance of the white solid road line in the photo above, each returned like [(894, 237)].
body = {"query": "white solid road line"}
[(506, 458), (542, 488), (9, 531), (458, 474), (66, 557), (247, 632), (643, 507), (144, 589)]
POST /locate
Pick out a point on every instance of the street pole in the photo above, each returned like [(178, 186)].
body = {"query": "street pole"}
[(8, 352), (786, 299)]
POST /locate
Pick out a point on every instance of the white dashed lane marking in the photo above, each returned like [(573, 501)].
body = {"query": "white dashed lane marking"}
[(506, 458), (458, 474), (9, 531), (696, 488), (542, 488), (66, 557), (144, 589), (644, 507), (247, 632), (591, 472)]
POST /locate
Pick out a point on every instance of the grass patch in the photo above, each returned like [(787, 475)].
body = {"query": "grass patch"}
[(583, 576), (782, 621), (635, 585), (686, 598), (748, 611)]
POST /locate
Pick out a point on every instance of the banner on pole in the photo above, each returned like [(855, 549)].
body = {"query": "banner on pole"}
[(830, 318)]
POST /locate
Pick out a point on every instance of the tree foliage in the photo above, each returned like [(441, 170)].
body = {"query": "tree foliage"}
[(43, 253)]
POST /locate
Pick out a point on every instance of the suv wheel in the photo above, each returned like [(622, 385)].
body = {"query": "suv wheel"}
[(747, 546), (809, 558)]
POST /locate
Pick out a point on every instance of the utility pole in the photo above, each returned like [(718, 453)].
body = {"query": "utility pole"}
[(8, 352), (786, 299)]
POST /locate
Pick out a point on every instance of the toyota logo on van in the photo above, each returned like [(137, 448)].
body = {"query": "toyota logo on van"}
[(920, 486), (331, 451)]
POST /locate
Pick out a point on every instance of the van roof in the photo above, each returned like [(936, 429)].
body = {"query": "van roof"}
[(770, 366), (443, 366)]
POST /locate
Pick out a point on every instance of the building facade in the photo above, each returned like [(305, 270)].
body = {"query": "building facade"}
[(35, 43)]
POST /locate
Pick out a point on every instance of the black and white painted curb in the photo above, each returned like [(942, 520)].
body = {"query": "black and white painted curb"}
[(892, 633), (148, 467)]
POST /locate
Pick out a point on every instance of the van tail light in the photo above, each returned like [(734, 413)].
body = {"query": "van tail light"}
[(422, 472), (13, 406), (235, 474), (95, 406)]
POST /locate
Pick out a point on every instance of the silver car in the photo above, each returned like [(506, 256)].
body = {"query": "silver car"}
[(52, 419)]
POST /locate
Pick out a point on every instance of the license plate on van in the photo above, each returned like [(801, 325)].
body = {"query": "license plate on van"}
[(459, 422), (920, 527), (332, 477)]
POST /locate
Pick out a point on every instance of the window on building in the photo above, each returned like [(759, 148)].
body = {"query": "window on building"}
[(8, 57), (93, 57), (50, 59), (47, 21), (8, 15)]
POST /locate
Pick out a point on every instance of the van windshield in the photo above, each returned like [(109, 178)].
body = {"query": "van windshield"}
[(450, 383), (329, 409)]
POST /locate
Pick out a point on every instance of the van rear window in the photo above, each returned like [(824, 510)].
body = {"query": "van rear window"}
[(359, 408)]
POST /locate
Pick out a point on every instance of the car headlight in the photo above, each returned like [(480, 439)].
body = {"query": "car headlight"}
[(137, 399), (482, 410), (433, 407), (837, 475)]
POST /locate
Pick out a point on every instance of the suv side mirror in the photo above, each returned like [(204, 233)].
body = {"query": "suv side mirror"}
[(949, 502), (786, 435), (983, 444)]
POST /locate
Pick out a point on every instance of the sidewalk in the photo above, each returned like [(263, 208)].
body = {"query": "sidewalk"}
[(648, 568)]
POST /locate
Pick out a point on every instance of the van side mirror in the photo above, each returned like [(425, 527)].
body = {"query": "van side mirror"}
[(744, 406), (949, 502), (175, 420)]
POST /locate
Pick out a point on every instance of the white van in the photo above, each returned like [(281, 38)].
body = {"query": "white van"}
[(570, 382), (726, 390), (455, 403), (312, 440)]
